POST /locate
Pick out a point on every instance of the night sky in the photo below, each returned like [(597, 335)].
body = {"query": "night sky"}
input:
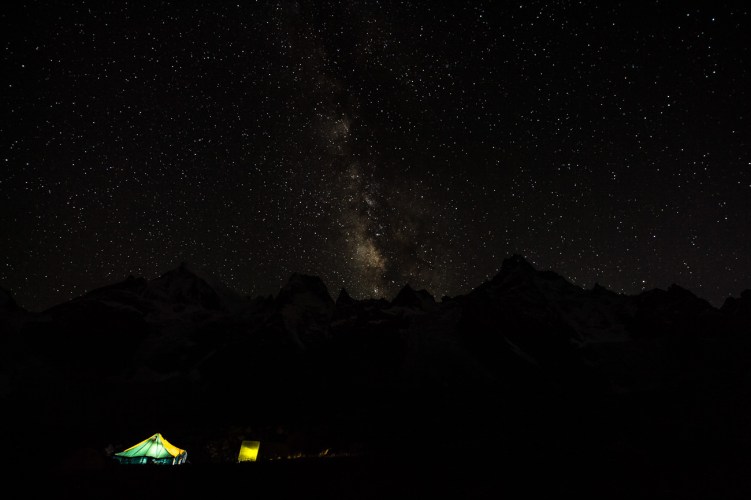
[(375, 144)]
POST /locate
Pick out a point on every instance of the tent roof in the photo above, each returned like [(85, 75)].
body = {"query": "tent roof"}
[(155, 447)]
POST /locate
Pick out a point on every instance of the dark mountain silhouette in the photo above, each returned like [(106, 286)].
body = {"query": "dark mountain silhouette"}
[(526, 362), (417, 299)]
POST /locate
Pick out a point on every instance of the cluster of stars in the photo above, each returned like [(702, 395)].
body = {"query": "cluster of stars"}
[(375, 144)]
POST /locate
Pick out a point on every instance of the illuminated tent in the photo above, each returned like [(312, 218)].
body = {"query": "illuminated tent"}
[(153, 450), (248, 451)]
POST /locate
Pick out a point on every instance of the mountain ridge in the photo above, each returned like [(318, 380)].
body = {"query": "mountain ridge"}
[(523, 359), (513, 263)]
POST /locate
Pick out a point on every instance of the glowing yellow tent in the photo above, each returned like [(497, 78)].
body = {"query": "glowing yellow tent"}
[(248, 451), (153, 450)]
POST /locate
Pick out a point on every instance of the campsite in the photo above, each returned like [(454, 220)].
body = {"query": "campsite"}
[(478, 476), (511, 387)]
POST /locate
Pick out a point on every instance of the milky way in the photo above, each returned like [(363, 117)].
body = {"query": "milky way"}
[(375, 144)]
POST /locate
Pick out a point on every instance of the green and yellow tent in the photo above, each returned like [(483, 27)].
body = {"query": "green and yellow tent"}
[(152, 450)]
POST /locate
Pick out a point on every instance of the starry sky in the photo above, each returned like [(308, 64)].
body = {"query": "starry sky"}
[(375, 144)]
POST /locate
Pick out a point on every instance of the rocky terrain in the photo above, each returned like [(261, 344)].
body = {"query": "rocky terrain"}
[(527, 368)]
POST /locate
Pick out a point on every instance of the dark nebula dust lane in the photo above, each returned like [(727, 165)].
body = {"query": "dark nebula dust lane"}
[(374, 144)]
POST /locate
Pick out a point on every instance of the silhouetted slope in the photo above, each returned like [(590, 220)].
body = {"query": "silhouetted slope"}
[(526, 360)]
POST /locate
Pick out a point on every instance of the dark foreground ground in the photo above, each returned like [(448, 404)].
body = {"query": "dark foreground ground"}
[(458, 477)]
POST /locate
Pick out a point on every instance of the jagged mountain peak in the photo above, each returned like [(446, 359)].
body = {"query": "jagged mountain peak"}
[(598, 289), (7, 302), (409, 297), (739, 309), (344, 298), (304, 284), (516, 263), (406, 289), (674, 294), (188, 283), (516, 268), (181, 285), (516, 271), (174, 289), (744, 299), (182, 271)]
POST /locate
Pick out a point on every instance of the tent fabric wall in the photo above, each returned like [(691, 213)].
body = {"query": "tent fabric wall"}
[(248, 451), (152, 450)]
